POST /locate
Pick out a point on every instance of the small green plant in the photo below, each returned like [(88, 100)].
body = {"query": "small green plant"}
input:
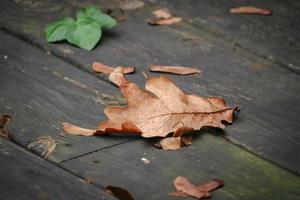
[(84, 32)]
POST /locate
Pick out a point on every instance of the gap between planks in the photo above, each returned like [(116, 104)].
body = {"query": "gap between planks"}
[(91, 152)]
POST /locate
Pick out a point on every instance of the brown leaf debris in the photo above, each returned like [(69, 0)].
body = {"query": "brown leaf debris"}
[(4, 120), (162, 14), (174, 69), (185, 188), (163, 17), (159, 109), (174, 143), (250, 10), (101, 68)]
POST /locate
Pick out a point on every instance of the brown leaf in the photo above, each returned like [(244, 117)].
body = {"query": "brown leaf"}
[(174, 143), (185, 188), (4, 120), (159, 110), (101, 68), (162, 14), (76, 130), (250, 10), (174, 69), (171, 143), (165, 22), (117, 77)]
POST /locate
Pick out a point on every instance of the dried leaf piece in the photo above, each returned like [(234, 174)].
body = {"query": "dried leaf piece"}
[(118, 192), (117, 77), (185, 188), (173, 143), (76, 130), (159, 110), (174, 69), (101, 68), (162, 14), (4, 120), (165, 22), (43, 146), (250, 10), (163, 17)]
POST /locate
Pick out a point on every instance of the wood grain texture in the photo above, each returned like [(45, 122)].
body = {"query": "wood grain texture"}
[(245, 176), (40, 92), (28, 177), (276, 36), (267, 93)]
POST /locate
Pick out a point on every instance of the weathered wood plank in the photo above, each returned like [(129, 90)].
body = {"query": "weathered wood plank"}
[(245, 176), (276, 37), (40, 92), (267, 92), (28, 177)]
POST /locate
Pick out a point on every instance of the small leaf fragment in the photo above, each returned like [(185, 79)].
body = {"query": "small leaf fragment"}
[(250, 10), (174, 143), (162, 13), (171, 143), (163, 17), (174, 69), (101, 68), (185, 188), (4, 120), (76, 130), (117, 77), (165, 22)]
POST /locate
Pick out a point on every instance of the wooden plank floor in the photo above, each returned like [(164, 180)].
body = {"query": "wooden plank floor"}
[(44, 85), (26, 176), (223, 64)]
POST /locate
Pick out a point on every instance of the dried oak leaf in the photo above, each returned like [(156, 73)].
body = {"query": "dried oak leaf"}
[(185, 188), (4, 120), (101, 68), (250, 10), (157, 111), (174, 69)]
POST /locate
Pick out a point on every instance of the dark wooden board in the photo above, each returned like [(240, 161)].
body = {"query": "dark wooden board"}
[(28, 177), (40, 92), (245, 176), (276, 37), (269, 117)]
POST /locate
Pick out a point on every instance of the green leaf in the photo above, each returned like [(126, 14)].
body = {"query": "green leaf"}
[(86, 34), (58, 30), (104, 20)]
